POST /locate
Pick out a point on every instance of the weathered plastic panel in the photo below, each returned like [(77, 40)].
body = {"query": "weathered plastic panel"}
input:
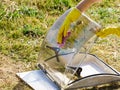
[(56, 60)]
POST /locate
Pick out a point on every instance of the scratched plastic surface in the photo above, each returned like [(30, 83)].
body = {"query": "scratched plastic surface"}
[(55, 58), (84, 69), (81, 32)]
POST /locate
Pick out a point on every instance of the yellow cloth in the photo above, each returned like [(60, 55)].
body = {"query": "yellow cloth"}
[(107, 31), (72, 16)]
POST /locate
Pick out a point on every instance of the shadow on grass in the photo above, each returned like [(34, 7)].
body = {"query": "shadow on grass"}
[(22, 86)]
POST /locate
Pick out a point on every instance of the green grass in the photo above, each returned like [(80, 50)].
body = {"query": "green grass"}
[(24, 23)]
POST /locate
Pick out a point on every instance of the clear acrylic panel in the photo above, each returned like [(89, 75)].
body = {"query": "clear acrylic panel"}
[(60, 61)]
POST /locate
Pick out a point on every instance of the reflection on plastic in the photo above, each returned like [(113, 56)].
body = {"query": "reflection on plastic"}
[(56, 58)]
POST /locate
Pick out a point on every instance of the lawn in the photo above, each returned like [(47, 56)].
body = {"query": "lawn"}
[(24, 23)]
